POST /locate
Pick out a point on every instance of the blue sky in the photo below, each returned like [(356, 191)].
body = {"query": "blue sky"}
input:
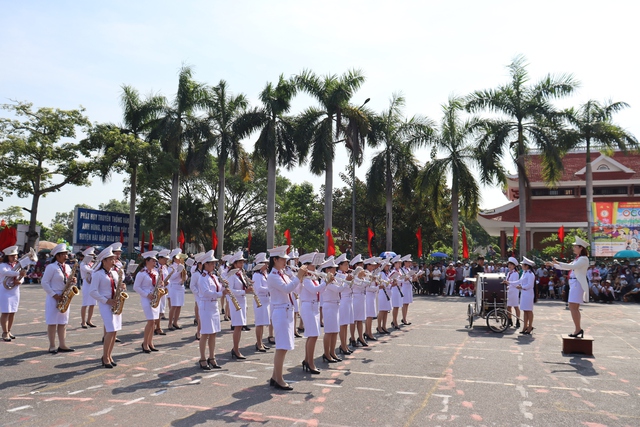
[(70, 53)]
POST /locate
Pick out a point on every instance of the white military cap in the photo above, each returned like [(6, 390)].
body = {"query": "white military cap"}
[(307, 258), (356, 259), (329, 263), (406, 258), (527, 261), (89, 251), (11, 250), (116, 247), (513, 261), (396, 258), (372, 260), (174, 253), (150, 254), (280, 252), (208, 257), (581, 242), (163, 253), (238, 256), (342, 258), (58, 249), (106, 253), (261, 257)]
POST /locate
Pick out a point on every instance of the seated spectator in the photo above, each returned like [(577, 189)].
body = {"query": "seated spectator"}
[(632, 296), (606, 292)]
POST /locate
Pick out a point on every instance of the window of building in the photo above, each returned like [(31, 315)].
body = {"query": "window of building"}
[(606, 191), (603, 168), (542, 192)]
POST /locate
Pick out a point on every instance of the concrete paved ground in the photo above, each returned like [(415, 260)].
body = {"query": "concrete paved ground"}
[(431, 373)]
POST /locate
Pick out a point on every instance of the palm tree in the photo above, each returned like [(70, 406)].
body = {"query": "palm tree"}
[(174, 131), (528, 120), (276, 141), (459, 155), (124, 147), (225, 116), (316, 125), (592, 125), (395, 164)]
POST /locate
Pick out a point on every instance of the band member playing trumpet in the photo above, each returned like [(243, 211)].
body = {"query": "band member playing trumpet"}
[(55, 278), (176, 288), (261, 314), (384, 301), (310, 293), (371, 306), (196, 272), (9, 298), (144, 284), (280, 288), (104, 283), (407, 288), (331, 308), (163, 272), (359, 289), (239, 286), (396, 292), (88, 303), (346, 304), (209, 291)]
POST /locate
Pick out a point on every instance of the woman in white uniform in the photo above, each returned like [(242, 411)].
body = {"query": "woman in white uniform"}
[(310, 293), (88, 303), (384, 299), (54, 282), (9, 298), (346, 304), (261, 314), (578, 283), (144, 285), (163, 273), (406, 287), (240, 288), (104, 283), (396, 293), (280, 288), (372, 288), (359, 289), (331, 311), (196, 272), (513, 293), (210, 291), (176, 288), (526, 285)]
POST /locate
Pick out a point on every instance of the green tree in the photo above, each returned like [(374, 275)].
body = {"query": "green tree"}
[(395, 166), (12, 214), (301, 214), (34, 161), (114, 205), (592, 126), (124, 148), (459, 156), (316, 125), (276, 141), (553, 248), (527, 119)]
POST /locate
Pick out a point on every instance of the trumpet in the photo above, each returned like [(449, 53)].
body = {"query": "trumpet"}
[(225, 284), (328, 277)]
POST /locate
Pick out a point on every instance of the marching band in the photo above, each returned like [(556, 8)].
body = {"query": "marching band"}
[(351, 292)]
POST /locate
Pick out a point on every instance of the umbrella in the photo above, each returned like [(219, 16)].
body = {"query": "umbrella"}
[(46, 245), (439, 255), (387, 254), (627, 254)]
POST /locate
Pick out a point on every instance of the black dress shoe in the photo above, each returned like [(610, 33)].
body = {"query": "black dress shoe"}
[(53, 351), (177, 327), (206, 366), (84, 326), (13, 337), (273, 383), (153, 349), (236, 356), (371, 338), (363, 343), (328, 360), (213, 364), (113, 363), (106, 365), (261, 349), (246, 328), (65, 350), (143, 349), (404, 322), (91, 325), (118, 339)]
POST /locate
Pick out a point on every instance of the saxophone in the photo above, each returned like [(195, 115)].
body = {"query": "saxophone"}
[(120, 295), (160, 290), (256, 298), (234, 300), (9, 282), (70, 290)]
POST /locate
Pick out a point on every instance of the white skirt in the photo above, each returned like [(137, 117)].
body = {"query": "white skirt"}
[(359, 307), (238, 317), (383, 303), (575, 292), (176, 295), (407, 290), (282, 319), (112, 322), (87, 299), (9, 299), (150, 313), (346, 311), (163, 303), (52, 314), (513, 296), (311, 318), (396, 299), (209, 317), (330, 317), (371, 306), (296, 305), (526, 300), (261, 314)]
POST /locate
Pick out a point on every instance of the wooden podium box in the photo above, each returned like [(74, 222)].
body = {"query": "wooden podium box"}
[(577, 345)]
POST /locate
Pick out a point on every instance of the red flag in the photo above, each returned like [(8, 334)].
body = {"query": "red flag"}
[(419, 236), (142, 242), (331, 247), (8, 237), (465, 245), (181, 240), (287, 234), (369, 238), (150, 240), (561, 236), (121, 236), (249, 244), (515, 238), (214, 239)]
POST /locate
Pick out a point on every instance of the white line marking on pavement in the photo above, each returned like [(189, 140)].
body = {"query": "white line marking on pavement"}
[(138, 375), (94, 387), (75, 392), (19, 408), (445, 402), (131, 402), (523, 409), (369, 389), (327, 385), (241, 376), (211, 376), (104, 411), (406, 392)]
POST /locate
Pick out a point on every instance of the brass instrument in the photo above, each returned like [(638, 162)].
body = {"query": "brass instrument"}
[(225, 284), (9, 282), (120, 295), (70, 290), (160, 290), (251, 282)]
